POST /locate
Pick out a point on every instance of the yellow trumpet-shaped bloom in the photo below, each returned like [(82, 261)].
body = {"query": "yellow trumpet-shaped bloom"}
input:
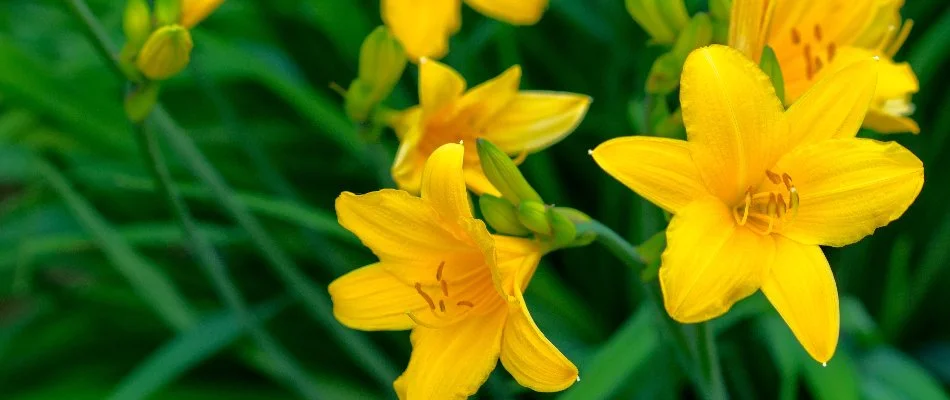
[(424, 26), (813, 39), (441, 274), (518, 122), (755, 189), (194, 11)]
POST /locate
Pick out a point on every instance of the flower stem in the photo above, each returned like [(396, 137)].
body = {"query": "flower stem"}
[(709, 363)]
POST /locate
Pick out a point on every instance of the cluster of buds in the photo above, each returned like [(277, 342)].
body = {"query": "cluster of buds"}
[(520, 211)]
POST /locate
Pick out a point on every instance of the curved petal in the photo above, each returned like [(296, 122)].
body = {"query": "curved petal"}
[(848, 188), (443, 183), (887, 123), (659, 169), (515, 12), (409, 162), (527, 354), (535, 120), (371, 298), (454, 361), (195, 11), (835, 106), (749, 26), (439, 85), (734, 121), (801, 287), (709, 262), (486, 99), (517, 260), (423, 27)]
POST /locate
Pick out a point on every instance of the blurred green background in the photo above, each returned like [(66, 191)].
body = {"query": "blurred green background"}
[(100, 298)]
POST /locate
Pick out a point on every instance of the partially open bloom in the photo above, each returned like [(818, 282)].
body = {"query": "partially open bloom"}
[(756, 189), (813, 39), (518, 122), (424, 26), (443, 275)]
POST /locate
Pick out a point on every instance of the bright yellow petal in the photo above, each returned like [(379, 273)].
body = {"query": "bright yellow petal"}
[(749, 26), (477, 181), (535, 120), (658, 169), (452, 362), (801, 287), (517, 260), (887, 123), (409, 162), (194, 11), (422, 26), (371, 298), (849, 188), (439, 85), (527, 354), (515, 12), (443, 184), (483, 102), (404, 121), (835, 107), (709, 262), (734, 121)]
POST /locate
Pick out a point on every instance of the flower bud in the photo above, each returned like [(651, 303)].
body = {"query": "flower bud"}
[(137, 24), (139, 103), (502, 172), (769, 64), (167, 12), (534, 216), (665, 73), (382, 61), (562, 228), (501, 215), (662, 19), (195, 11), (165, 53)]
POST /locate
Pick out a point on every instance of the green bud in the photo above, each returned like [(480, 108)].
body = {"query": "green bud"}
[(720, 9), (501, 215), (562, 228), (665, 73), (503, 174), (165, 53), (382, 61), (167, 12), (771, 67), (139, 103), (662, 19), (534, 216), (137, 25)]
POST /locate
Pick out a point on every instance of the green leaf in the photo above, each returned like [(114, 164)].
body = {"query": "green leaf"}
[(887, 374)]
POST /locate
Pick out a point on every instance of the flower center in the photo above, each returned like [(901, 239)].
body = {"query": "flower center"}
[(443, 310), (816, 52), (768, 211)]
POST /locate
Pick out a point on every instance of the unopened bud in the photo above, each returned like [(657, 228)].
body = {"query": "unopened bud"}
[(665, 73), (562, 228), (136, 24), (165, 53), (167, 11), (771, 67), (140, 102), (195, 11), (502, 172), (534, 216), (382, 61), (662, 19), (501, 215)]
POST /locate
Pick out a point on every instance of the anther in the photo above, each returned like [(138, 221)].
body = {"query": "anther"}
[(818, 32), (796, 37), (445, 288), (808, 71), (773, 177), (788, 181), (425, 296), (442, 306), (438, 272), (465, 303), (831, 51), (818, 64), (782, 207)]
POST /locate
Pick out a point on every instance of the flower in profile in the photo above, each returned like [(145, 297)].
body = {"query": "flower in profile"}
[(756, 189), (443, 275), (518, 122), (424, 26), (813, 39)]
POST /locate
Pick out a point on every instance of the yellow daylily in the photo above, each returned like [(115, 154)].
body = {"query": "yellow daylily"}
[(755, 190), (195, 11), (443, 275), (813, 39), (424, 26), (518, 122)]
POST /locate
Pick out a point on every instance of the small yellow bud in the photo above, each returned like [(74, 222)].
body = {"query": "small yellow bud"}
[(534, 216), (136, 23), (165, 53), (167, 12), (502, 172), (195, 11), (501, 215), (382, 61)]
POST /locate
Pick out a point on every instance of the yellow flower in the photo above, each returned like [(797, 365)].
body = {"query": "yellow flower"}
[(165, 53), (755, 190), (194, 11), (518, 122), (424, 26), (813, 39), (441, 274)]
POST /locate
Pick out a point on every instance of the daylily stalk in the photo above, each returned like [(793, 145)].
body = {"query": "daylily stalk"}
[(458, 287), (756, 189)]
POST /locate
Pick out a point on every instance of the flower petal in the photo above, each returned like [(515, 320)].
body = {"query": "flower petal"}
[(709, 262), (439, 85), (534, 120), (443, 184), (371, 298), (886, 123), (409, 162), (454, 361), (517, 260), (749, 26), (422, 26), (659, 169), (515, 12), (835, 106), (195, 11), (485, 100), (801, 287), (848, 188), (734, 121)]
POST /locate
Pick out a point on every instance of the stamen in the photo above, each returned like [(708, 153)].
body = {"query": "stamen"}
[(897, 42), (808, 72), (445, 288), (771, 212), (442, 306), (425, 296), (818, 64), (465, 303), (438, 273), (788, 181), (818, 32), (748, 205), (796, 37), (782, 207), (773, 177), (832, 49), (793, 201)]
